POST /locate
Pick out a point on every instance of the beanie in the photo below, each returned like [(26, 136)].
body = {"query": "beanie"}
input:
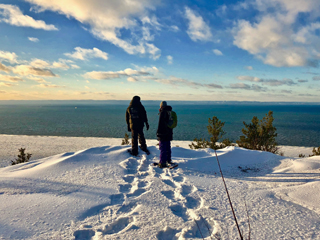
[(163, 104)]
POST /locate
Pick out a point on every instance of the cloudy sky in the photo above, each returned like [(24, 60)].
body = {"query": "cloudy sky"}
[(250, 50)]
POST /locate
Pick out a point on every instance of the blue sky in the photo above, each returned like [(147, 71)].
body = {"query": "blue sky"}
[(251, 50)]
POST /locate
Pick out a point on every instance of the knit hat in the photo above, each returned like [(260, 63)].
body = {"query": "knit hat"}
[(163, 104)]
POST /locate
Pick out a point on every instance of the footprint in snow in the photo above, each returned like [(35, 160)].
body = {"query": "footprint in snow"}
[(186, 189), (125, 188), (128, 178), (142, 184), (167, 233), (168, 194), (192, 202), (136, 193), (118, 225), (85, 234), (169, 182), (127, 208), (179, 211), (117, 199), (179, 179)]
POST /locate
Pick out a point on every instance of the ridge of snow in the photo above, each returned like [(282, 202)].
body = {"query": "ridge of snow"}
[(105, 193)]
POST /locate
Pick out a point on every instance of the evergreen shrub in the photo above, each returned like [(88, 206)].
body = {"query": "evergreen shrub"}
[(216, 133), (125, 141), (260, 134), (22, 157)]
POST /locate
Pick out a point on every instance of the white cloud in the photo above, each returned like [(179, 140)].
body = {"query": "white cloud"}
[(33, 39), (244, 86), (2, 84), (316, 78), (84, 54), (43, 85), (249, 78), (270, 82), (302, 80), (101, 75), (249, 68), (169, 59), (74, 66), (37, 79), (149, 24), (12, 15), (39, 63), (4, 68), (275, 82), (175, 81), (10, 78), (174, 28), (153, 50), (151, 70), (129, 71), (60, 65), (106, 19), (112, 75), (213, 85), (277, 36), (146, 74), (286, 91), (217, 52), (240, 86), (197, 29), (25, 70), (8, 56), (132, 79), (103, 94)]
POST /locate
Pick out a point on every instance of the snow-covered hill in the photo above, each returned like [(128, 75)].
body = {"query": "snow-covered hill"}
[(105, 193)]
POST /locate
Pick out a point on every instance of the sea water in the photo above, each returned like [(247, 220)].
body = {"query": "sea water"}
[(297, 124)]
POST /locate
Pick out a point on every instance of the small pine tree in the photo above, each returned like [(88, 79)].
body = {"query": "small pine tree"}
[(216, 132), (199, 143), (226, 142), (22, 157), (125, 141), (315, 152), (260, 135)]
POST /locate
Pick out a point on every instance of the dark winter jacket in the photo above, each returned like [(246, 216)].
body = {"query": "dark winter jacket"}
[(136, 114), (164, 133)]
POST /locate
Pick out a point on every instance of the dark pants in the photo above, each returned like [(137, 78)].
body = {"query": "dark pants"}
[(165, 151), (138, 133)]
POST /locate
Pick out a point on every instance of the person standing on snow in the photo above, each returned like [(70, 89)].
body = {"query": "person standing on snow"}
[(164, 135), (136, 116)]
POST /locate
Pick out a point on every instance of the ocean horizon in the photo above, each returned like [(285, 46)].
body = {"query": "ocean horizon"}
[(298, 124)]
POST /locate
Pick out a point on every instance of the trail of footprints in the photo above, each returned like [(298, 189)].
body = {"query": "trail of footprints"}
[(185, 203), (120, 213), (184, 200)]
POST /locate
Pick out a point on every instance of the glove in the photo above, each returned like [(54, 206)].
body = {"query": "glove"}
[(129, 129), (147, 125)]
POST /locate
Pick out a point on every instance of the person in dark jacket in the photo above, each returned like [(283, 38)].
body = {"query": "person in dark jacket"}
[(164, 135), (136, 117)]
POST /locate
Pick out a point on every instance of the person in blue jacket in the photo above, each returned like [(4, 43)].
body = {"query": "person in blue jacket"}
[(164, 135)]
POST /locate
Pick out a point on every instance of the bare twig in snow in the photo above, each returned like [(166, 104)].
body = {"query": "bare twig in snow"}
[(225, 185)]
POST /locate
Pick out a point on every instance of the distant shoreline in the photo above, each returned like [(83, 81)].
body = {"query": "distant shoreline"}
[(146, 102)]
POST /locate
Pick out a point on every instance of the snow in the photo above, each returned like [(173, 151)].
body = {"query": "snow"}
[(87, 188)]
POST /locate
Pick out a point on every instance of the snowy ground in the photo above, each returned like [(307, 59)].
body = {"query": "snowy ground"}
[(96, 190)]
